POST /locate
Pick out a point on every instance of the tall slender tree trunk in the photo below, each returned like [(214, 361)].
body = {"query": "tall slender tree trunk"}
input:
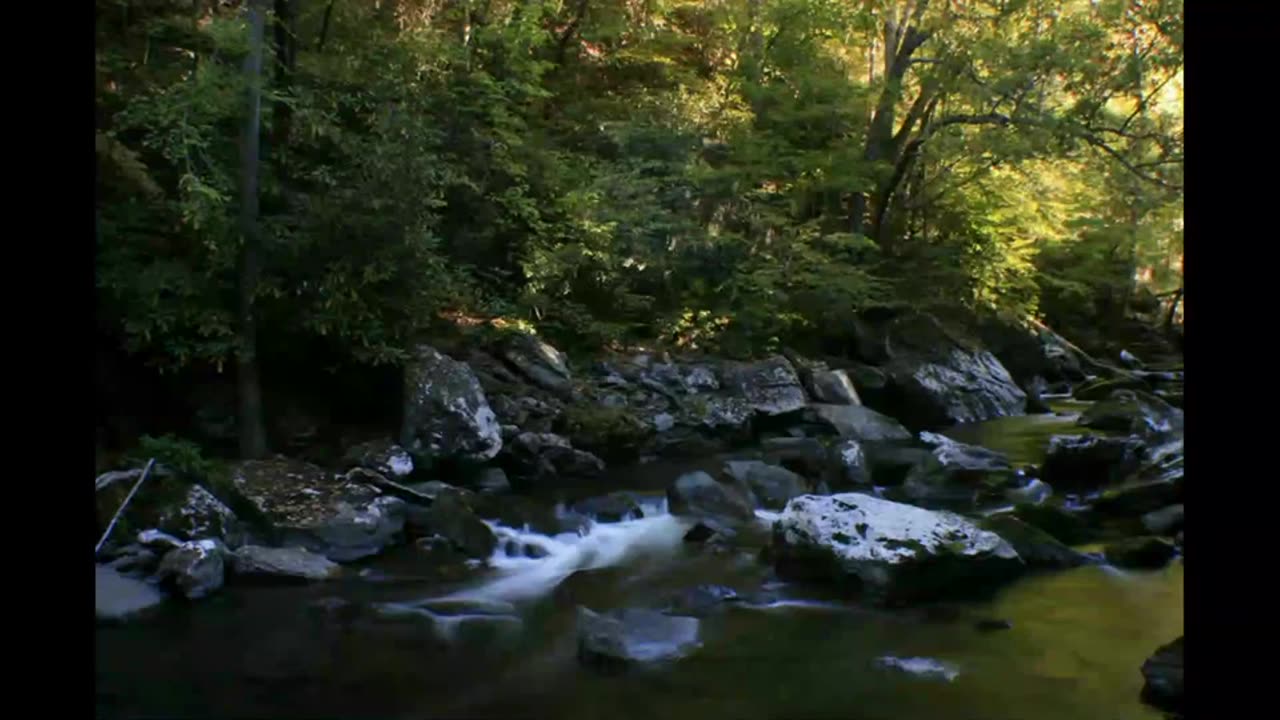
[(286, 44), (253, 435)]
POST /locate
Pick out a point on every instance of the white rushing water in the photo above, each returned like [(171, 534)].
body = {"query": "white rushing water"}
[(601, 545)]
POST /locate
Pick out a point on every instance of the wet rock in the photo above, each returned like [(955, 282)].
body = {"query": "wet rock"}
[(921, 667), (1144, 553), (1035, 389), (614, 507), (804, 455), (493, 481), (1028, 349), (1162, 676), (117, 597), (709, 531), (891, 462), (446, 412), (1130, 360), (1036, 547), (698, 494), (1085, 462), (381, 456), (307, 507), (133, 560), (769, 386), (770, 485), (888, 552), (833, 387), (165, 502), (1034, 492), (852, 468), (541, 458), (1165, 521), (1134, 499), (195, 567), (701, 601), (282, 564), (451, 518), (1135, 413), (1067, 526), (857, 422), (634, 636), (1101, 388), (538, 361), (956, 475)]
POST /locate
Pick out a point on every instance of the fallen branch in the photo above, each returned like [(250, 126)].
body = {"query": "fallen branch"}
[(111, 526)]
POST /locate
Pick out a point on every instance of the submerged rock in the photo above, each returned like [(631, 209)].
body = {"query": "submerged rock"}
[(307, 507), (634, 636), (446, 412), (1076, 462), (1162, 675), (887, 551), (196, 568), (701, 601), (1038, 548), (117, 597), (614, 507), (1143, 553), (699, 495), (451, 518), (283, 564), (770, 485)]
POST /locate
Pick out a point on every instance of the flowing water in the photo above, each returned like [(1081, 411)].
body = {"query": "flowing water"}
[(500, 641)]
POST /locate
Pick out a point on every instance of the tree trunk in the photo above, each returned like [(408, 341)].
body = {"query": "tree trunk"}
[(253, 435), (286, 37), (1173, 310), (324, 26)]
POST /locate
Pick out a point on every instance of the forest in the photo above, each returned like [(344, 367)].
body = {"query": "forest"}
[(297, 191)]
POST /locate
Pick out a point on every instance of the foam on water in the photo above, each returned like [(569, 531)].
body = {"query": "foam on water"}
[(920, 666), (601, 545)]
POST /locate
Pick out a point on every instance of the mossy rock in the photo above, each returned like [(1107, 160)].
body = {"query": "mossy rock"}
[(615, 434), (1038, 548), (167, 501), (1064, 525)]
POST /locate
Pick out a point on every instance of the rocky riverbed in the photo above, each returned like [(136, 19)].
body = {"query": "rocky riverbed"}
[(755, 533)]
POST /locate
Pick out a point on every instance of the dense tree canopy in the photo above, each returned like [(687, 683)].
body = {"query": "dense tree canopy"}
[(722, 173)]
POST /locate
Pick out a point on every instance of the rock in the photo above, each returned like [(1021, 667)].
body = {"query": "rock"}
[(614, 507), (196, 567), (992, 625), (709, 531), (1035, 389), (1145, 553), (1085, 462), (772, 486), (158, 540), (852, 468), (451, 518), (538, 361), (891, 462), (938, 379), (1130, 360), (956, 475), (133, 559), (631, 636), (804, 455), (1101, 388), (282, 564), (541, 458), (615, 434), (167, 503), (833, 387), (1064, 525), (1162, 675), (770, 386), (728, 415), (922, 667), (663, 422), (307, 507), (117, 597), (493, 481), (1034, 492), (1134, 413), (446, 413), (887, 551), (857, 422), (1165, 521), (1132, 500), (381, 456), (1036, 547), (699, 495), (1029, 349), (701, 601)]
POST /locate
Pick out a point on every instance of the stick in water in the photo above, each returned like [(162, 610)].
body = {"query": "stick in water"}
[(124, 504)]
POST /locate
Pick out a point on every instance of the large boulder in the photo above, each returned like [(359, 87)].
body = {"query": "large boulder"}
[(195, 567), (888, 552), (304, 506), (381, 456), (938, 377), (538, 361), (634, 636), (1134, 413), (697, 494), (541, 458), (1086, 462), (446, 413), (1162, 677), (117, 597), (287, 564), (770, 485), (857, 422), (451, 518), (769, 386)]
